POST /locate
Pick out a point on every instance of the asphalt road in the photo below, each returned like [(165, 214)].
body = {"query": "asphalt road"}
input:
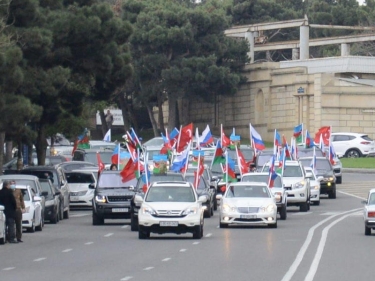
[(326, 243)]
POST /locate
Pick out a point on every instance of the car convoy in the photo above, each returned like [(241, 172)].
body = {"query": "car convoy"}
[(171, 203)]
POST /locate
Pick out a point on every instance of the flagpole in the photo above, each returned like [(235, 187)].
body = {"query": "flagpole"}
[(251, 140), (238, 161), (146, 170), (179, 137), (118, 157), (274, 143), (197, 175), (187, 160), (197, 137), (221, 133), (301, 134), (226, 169)]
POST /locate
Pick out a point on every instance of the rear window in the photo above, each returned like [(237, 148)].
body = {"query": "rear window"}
[(154, 178), (80, 178), (46, 174), (292, 171), (261, 178), (367, 138)]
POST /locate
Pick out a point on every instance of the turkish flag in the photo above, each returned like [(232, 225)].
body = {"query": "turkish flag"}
[(186, 136), (325, 132), (242, 164), (128, 173), (100, 163), (225, 141)]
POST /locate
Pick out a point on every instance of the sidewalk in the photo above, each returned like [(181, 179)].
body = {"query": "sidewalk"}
[(357, 170)]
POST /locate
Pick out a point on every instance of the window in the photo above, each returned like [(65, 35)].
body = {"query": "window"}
[(340, 138), (292, 171), (80, 178), (247, 191), (170, 194)]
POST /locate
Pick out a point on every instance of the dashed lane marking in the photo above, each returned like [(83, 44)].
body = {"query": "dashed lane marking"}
[(8, 268), (208, 235), (108, 235), (183, 250), (40, 259), (89, 243), (302, 214), (126, 278), (196, 243), (166, 259), (125, 226), (148, 268), (67, 250)]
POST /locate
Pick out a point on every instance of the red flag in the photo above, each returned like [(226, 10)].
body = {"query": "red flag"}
[(225, 141), (100, 163), (129, 171), (325, 132), (199, 172), (243, 165), (186, 136)]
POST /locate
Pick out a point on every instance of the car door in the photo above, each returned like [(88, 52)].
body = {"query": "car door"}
[(340, 144), (39, 193), (64, 187)]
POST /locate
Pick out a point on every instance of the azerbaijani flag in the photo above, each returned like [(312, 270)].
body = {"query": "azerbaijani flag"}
[(256, 139), (309, 142), (280, 167), (219, 155), (82, 141), (297, 133), (197, 154), (160, 164), (272, 173), (288, 155)]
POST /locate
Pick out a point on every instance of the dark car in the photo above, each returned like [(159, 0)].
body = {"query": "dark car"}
[(90, 155), (138, 189), (57, 176), (75, 165), (112, 197), (52, 195), (204, 188), (11, 166)]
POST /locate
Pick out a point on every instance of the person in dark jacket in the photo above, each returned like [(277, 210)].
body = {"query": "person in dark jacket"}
[(9, 202)]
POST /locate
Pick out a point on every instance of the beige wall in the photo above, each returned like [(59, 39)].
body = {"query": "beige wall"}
[(271, 100)]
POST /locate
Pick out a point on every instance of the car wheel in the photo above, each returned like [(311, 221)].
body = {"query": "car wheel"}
[(273, 225), (31, 229), (66, 213), (353, 153), (198, 232), (339, 179), (283, 213), (61, 210), (223, 225), (143, 234), (317, 203), (133, 223), (308, 206), (332, 194), (215, 203), (3, 239), (303, 207), (96, 220), (207, 212), (367, 231), (212, 210), (55, 219)]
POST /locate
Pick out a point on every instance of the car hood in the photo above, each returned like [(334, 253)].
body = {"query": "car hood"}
[(288, 181), (324, 173), (74, 187), (248, 201), (169, 206)]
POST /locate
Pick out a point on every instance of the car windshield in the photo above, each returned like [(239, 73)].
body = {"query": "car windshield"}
[(112, 180), (77, 177), (247, 153), (106, 157), (156, 178), (292, 171), (309, 152), (263, 159), (46, 174), (46, 187), (321, 164), (371, 200), (154, 142), (262, 178), (247, 191), (170, 194), (30, 183), (191, 179)]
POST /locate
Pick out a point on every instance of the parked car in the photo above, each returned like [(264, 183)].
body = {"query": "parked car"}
[(2, 226), (204, 189), (248, 203), (112, 197), (369, 212), (52, 196), (31, 181), (80, 193), (314, 186), (75, 165), (277, 190), (57, 176), (171, 207), (325, 174), (353, 144), (32, 219)]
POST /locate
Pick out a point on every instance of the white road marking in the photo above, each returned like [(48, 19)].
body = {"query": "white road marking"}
[(166, 259), (148, 268), (89, 243), (78, 215), (359, 197), (8, 268), (293, 268), (183, 250), (126, 278), (196, 243), (109, 234), (67, 250), (125, 226), (359, 214), (209, 234), (319, 252), (40, 259), (330, 213)]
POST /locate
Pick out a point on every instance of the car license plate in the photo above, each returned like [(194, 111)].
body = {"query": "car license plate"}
[(120, 210), (248, 217), (74, 198), (168, 223)]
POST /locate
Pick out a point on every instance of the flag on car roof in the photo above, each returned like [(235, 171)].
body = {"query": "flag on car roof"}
[(225, 141), (256, 139), (160, 164), (219, 155), (180, 161), (313, 161), (185, 137), (276, 142), (82, 141), (280, 168), (332, 154), (135, 139), (206, 137), (242, 164), (288, 155), (325, 133), (200, 169), (118, 156), (100, 163), (272, 172), (309, 142), (129, 172), (107, 136), (173, 137), (297, 133), (229, 174)]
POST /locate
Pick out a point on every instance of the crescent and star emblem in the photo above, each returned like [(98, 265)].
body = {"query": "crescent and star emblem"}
[(189, 132)]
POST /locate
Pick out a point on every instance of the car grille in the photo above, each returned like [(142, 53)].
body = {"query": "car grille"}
[(80, 193), (114, 199), (169, 214), (247, 210)]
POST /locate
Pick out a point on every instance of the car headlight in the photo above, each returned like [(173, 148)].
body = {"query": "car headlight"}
[(100, 198), (278, 196), (227, 208), (329, 179), (316, 187), (300, 184), (148, 210), (190, 211), (269, 209)]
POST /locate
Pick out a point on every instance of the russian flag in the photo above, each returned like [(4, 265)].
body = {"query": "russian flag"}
[(256, 139), (332, 155), (206, 137), (180, 161)]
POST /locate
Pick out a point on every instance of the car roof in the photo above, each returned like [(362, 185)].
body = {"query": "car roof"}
[(349, 134), (244, 183), (256, 174), (171, 183), (39, 168), (85, 171), (19, 176)]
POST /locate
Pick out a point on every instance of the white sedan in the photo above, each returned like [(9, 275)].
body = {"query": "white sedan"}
[(369, 212), (80, 193), (2, 226), (32, 218), (248, 203), (314, 186)]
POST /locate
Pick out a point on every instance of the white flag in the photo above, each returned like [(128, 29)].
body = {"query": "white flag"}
[(107, 136)]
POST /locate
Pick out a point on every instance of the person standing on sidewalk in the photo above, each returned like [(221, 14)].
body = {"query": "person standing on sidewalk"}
[(9, 202), (19, 210)]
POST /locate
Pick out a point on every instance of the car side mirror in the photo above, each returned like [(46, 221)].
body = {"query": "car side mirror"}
[(138, 199), (37, 199), (62, 182), (320, 178), (309, 175), (44, 193), (202, 198), (91, 186), (364, 201)]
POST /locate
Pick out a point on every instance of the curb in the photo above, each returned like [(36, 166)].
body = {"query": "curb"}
[(357, 170)]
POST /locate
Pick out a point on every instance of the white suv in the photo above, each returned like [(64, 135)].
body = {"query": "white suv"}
[(296, 184), (353, 145), (170, 207)]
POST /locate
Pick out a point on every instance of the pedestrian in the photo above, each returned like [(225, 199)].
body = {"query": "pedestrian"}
[(20, 209), (113, 167), (109, 119), (9, 202)]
